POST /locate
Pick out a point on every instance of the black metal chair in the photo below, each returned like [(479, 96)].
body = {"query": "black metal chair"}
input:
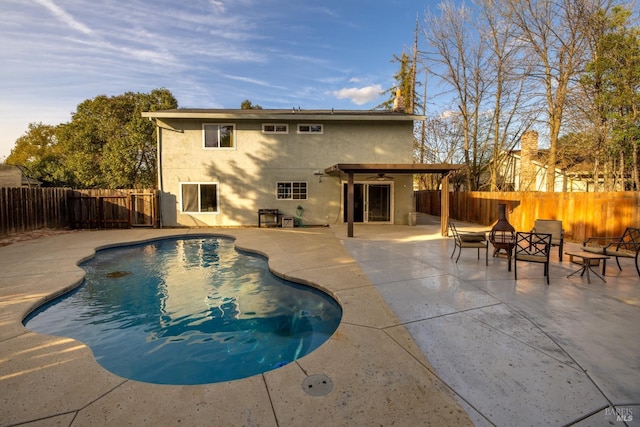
[(477, 240), (532, 247)]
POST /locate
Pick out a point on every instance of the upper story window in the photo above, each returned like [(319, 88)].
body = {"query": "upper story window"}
[(291, 190), (275, 128), (310, 128), (219, 136)]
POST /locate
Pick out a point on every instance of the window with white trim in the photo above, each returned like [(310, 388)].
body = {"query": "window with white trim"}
[(310, 128), (291, 190), (275, 128), (199, 197), (218, 136)]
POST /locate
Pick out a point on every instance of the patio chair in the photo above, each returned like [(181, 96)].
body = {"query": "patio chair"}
[(553, 227), (625, 246), (477, 240), (532, 247)]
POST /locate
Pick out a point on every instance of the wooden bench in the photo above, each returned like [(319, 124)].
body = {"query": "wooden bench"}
[(625, 246)]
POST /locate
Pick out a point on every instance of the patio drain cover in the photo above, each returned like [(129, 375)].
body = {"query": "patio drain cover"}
[(317, 385)]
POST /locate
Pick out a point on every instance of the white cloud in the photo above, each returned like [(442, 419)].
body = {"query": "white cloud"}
[(217, 5), (63, 16), (359, 96), (253, 81)]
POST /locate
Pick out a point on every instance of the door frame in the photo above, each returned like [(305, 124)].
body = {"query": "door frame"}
[(365, 195)]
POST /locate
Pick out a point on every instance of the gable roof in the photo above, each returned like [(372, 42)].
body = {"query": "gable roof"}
[(292, 114)]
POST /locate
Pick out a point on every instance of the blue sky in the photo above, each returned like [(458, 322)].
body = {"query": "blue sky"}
[(208, 53)]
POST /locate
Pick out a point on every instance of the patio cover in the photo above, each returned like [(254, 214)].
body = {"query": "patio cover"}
[(396, 168)]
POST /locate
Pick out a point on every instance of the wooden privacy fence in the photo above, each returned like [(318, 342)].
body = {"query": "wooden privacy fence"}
[(582, 214), (28, 209)]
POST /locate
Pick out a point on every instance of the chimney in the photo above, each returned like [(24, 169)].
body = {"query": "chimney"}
[(528, 154), (398, 103)]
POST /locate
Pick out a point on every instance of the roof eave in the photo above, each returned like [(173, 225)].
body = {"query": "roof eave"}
[(285, 115)]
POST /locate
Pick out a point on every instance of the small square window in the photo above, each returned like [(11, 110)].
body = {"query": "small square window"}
[(275, 128), (294, 190), (310, 128)]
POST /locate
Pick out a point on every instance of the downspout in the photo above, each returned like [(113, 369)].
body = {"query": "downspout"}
[(159, 167)]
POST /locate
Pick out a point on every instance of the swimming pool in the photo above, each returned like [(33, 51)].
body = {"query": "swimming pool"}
[(189, 311)]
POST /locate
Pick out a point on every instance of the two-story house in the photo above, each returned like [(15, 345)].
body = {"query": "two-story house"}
[(219, 167)]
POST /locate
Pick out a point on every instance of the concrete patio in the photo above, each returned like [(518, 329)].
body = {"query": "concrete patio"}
[(423, 340), (515, 353)]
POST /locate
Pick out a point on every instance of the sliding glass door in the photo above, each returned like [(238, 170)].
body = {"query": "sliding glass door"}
[(372, 202)]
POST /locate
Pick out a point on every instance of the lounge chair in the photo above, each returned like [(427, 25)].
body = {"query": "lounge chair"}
[(625, 246)]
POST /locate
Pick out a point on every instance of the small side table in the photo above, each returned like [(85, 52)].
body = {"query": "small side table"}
[(585, 266)]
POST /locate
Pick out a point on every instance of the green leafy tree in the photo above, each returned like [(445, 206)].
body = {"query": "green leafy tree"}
[(108, 144), (247, 105), (404, 80), (38, 152)]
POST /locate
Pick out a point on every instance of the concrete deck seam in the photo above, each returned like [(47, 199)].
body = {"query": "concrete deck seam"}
[(375, 328), (111, 390), (354, 287), (551, 338), (577, 366), (75, 413), (447, 314), (273, 408), (14, 337), (584, 417), (436, 377)]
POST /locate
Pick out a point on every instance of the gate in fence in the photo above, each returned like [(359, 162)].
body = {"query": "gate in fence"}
[(112, 209)]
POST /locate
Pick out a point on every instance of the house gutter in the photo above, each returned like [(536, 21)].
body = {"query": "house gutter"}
[(284, 115)]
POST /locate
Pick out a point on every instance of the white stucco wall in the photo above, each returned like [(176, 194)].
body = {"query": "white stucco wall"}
[(247, 175)]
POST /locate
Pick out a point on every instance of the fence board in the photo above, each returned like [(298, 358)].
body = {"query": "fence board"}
[(582, 214)]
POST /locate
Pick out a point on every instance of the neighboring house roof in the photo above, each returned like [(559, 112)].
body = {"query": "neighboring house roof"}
[(14, 176), (540, 161), (574, 164), (292, 114)]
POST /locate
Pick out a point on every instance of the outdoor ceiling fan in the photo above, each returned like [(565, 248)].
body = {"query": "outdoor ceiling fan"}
[(380, 177)]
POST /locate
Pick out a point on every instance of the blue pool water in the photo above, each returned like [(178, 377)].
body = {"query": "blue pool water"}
[(189, 311)]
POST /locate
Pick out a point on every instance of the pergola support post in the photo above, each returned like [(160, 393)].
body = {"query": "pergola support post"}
[(444, 205), (350, 203)]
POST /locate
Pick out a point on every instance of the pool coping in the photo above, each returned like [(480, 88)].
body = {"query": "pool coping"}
[(378, 373)]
